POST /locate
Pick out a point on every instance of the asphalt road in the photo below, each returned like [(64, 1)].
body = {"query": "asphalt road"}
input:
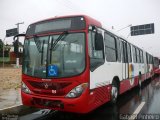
[(139, 104)]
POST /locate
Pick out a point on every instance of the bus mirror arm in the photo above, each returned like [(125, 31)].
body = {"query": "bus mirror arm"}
[(18, 35)]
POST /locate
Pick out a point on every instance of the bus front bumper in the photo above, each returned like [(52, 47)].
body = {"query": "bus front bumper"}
[(76, 105)]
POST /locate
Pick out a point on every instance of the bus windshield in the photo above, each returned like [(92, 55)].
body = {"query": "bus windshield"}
[(68, 55)]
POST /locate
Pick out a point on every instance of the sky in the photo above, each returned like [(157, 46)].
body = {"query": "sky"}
[(116, 13)]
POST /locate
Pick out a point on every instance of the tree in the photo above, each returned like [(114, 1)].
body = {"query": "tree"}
[(1, 48), (1, 45)]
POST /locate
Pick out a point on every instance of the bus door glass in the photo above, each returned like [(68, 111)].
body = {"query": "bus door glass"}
[(125, 64)]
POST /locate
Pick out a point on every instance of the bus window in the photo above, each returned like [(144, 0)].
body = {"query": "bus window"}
[(140, 61), (129, 52), (141, 55), (91, 36), (147, 58), (134, 54), (151, 59), (124, 52), (110, 45), (119, 50), (138, 58), (96, 56), (92, 52)]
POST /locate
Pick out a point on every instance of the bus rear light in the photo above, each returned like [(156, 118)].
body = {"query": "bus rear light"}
[(77, 91), (25, 89)]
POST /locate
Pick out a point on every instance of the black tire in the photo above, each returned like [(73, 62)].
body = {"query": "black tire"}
[(114, 92)]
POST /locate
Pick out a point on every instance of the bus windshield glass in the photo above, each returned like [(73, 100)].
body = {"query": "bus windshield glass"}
[(68, 56)]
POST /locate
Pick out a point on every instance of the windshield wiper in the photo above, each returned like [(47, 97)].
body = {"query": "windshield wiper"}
[(40, 47), (61, 37), (38, 44), (42, 55)]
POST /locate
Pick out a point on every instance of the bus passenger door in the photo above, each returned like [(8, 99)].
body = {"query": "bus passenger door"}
[(125, 74)]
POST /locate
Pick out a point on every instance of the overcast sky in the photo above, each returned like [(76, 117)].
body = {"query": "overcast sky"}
[(117, 13)]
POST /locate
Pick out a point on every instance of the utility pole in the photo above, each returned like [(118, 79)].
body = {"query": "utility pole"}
[(3, 50), (17, 59), (18, 28)]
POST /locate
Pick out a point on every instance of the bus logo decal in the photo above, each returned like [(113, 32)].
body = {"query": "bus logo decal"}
[(45, 85), (131, 74)]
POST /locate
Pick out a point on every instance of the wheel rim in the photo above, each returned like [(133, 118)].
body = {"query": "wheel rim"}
[(114, 93), (139, 82)]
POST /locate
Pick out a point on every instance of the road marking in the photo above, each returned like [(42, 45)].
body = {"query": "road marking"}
[(134, 115), (10, 107), (43, 111)]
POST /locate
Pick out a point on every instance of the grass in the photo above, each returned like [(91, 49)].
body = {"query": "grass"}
[(6, 59)]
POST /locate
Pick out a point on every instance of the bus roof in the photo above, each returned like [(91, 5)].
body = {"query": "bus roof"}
[(88, 19)]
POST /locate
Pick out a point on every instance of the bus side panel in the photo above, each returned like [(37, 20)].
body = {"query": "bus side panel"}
[(126, 85), (103, 76), (99, 96)]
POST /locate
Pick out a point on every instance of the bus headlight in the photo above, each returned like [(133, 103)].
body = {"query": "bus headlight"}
[(25, 88), (77, 91)]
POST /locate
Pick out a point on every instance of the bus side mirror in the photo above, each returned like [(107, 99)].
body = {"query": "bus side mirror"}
[(98, 41), (16, 46), (16, 42)]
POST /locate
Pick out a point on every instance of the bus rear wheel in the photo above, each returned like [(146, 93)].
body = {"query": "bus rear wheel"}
[(140, 81), (114, 92)]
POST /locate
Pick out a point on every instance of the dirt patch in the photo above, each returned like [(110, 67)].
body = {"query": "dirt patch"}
[(10, 78)]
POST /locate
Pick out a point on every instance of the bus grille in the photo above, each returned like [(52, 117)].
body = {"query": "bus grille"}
[(48, 88), (49, 85)]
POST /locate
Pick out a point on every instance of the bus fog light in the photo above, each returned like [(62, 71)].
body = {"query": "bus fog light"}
[(77, 91), (25, 88)]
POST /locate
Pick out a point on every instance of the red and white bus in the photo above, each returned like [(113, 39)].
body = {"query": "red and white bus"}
[(74, 64), (156, 64)]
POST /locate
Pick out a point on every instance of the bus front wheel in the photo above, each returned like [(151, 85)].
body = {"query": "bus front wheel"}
[(114, 92)]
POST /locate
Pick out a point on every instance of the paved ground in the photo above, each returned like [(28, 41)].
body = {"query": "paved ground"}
[(10, 98), (10, 78)]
